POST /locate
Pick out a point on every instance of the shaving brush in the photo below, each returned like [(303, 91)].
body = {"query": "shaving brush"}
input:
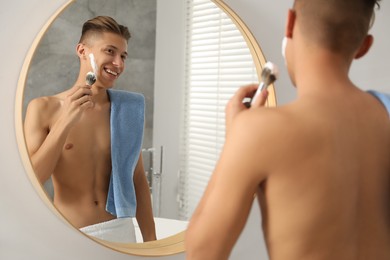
[(269, 74), (90, 79)]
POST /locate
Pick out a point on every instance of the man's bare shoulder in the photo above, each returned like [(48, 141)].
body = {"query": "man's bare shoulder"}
[(266, 134), (41, 106), (265, 123), (46, 104), (274, 135), (41, 102), (43, 109)]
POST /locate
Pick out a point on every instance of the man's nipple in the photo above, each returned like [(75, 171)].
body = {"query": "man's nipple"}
[(68, 146)]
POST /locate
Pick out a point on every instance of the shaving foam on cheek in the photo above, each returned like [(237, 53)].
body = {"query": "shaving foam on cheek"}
[(284, 44), (93, 63)]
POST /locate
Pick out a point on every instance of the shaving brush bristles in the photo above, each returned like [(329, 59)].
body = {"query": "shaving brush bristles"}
[(269, 74), (90, 79)]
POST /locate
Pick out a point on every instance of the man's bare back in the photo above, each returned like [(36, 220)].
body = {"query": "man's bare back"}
[(327, 198), (322, 196), (81, 176)]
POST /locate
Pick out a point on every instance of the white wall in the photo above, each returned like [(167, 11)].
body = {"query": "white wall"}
[(28, 229)]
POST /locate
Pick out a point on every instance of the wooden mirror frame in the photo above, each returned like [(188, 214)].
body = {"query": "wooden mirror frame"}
[(162, 247)]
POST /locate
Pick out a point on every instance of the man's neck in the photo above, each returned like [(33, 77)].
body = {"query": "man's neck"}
[(321, 73), (99, 95)]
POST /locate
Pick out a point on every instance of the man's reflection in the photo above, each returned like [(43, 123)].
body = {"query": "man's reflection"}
[(69, 138)]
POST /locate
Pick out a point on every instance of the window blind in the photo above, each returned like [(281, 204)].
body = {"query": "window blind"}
[(218, 62)]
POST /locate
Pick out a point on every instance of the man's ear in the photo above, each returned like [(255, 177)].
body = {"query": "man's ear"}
[(290, 23), (365, 47), (80, 50)]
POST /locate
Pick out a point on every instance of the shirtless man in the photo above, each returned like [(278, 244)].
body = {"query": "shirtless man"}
[(319, 166), (68, 134)]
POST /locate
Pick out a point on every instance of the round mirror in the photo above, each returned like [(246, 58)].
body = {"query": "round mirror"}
[(51, 67)]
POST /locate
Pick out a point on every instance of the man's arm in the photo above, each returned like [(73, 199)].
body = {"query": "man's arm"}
[(44, 138), (44, 145), (144, 203), (222, 213)]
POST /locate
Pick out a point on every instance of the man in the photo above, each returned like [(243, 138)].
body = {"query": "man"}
[(68, 136), (320, 165)]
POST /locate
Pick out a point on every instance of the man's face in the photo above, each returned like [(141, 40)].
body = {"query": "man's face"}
[(110, 51)]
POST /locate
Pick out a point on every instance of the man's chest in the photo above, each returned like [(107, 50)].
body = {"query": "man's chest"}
[(91, 136)]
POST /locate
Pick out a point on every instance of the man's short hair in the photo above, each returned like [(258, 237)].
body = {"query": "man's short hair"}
[(339, 25), (102, 24)]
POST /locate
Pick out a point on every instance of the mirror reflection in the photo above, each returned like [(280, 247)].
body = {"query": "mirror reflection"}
[(69, 136), (81, 160)]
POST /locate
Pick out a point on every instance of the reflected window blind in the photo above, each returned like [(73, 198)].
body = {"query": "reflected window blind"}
[(218, 62)]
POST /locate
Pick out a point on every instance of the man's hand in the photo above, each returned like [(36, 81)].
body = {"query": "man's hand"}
[(75, 104), (236, 105)]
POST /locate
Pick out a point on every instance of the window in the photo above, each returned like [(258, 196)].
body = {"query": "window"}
[(218, 62)]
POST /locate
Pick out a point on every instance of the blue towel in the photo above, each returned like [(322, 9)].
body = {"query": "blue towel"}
[(382, 97), (127, 128)]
